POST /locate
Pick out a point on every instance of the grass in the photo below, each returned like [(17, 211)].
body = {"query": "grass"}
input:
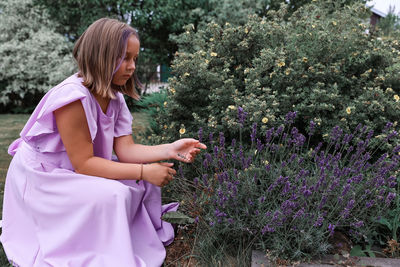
[(10, 127)]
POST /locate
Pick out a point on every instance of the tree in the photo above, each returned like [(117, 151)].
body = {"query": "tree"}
[(33, 57)]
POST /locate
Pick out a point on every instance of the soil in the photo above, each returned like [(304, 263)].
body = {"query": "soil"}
[(180, 252)]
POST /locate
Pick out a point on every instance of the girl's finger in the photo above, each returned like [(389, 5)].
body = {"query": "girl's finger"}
[(172, 171), (201, 145), (167, 164)]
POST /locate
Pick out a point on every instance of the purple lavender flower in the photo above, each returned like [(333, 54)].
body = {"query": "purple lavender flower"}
[(347, 138), (370, 203), (299, 213), (336, 133), (205, 179), (221, 140), (388, 126), (241, 116), (210, 138), (307, 193), (233, 144), (180, 170), (267, 167), (268, 135), (358, 224), (279, 130), (205, 163), (319, 221), (331, 228), (311, 128), (391, 135), (290, 116), (216, 151), (390, 197), (358, 127), (200, 134), (260, 145), (346, 212), (322, 203), (253, 132), (268, 229)]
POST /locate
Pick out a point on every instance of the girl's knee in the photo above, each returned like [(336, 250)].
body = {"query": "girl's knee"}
[(110, 192)]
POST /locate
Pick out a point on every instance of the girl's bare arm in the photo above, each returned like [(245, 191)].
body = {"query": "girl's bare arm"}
[(184, 150), (74, 132)]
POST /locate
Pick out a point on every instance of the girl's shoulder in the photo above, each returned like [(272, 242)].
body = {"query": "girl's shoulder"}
[(72, 84)]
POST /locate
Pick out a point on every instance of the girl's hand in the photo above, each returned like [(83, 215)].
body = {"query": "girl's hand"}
[(185, 149), (159, 174)]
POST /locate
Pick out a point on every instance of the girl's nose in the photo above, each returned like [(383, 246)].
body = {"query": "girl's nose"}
[(132, 65)]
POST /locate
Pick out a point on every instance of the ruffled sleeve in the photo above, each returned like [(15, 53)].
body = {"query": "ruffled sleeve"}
[(41, 131), (123, 123)]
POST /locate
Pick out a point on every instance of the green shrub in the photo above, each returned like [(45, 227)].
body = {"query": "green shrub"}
[(151, 105), (320, 62), (33, 58)]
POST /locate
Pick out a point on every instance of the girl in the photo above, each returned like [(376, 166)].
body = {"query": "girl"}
[(66, 203)]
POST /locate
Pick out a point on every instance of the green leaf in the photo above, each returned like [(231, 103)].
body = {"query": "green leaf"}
[(357, 251), (177, 217), (385, 222)]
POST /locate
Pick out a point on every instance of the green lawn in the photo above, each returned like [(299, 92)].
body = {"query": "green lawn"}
[(10, 127)]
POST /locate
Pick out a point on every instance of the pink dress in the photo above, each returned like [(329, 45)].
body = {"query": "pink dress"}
[(53, 216)]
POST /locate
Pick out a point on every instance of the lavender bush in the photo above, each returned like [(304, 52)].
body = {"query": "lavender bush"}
[(282, 196)]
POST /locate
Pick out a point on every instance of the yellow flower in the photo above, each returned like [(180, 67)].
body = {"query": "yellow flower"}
[(186, 74), (266, 162), (206, 61), (264, 120), (182, 131), (313, 26), (246, 30), (172, 90), (165, 127), (334, 23), (211, 39), (213, 54), (231, 107), (370, 70), (305, 59), (165, 103), (287, 72), (396, 97), (281, 64), (348, 110)]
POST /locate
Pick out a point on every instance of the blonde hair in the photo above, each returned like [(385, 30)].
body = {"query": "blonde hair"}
[(99, 53)]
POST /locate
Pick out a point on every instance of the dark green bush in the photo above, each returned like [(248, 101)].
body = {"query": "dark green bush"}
[(320, 62)]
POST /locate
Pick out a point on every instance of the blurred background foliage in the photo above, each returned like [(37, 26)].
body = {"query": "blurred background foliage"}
[(320, 62), (37, 36)]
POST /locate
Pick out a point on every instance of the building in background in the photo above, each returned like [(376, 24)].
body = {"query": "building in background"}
[(381, 8)]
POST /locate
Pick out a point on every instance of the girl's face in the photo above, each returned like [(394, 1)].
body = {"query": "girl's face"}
[(128, 64)]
